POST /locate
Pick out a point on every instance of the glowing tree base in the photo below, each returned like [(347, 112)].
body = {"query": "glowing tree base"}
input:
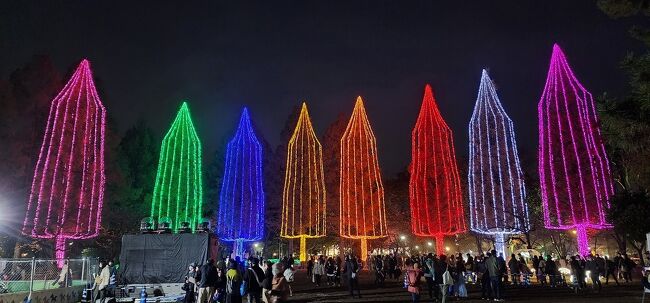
[(364, 249), (583, 240), (500, 244), (440, 245), (59, 250), (303, 249), (238, 248)]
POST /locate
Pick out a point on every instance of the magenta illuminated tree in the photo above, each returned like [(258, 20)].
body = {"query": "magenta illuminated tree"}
[(68, 186), (574, 173)]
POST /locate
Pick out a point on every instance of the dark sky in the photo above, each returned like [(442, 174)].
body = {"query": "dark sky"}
[(271, 55)]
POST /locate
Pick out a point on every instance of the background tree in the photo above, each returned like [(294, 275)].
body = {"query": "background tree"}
[(626, 127)]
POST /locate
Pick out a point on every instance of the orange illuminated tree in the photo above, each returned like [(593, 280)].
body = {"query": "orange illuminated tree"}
[(303, 199), (362, 208), (434, 189)]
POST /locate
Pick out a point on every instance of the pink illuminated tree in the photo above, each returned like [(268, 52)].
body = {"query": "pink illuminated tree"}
[(574, 173), (68, 186)]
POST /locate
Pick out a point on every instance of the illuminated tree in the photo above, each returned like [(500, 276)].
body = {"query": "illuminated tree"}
[(303, 199), (178, 192), (67, 191), (435, 192), (241, 202), (574, 173), (496, 187), (362, 208)]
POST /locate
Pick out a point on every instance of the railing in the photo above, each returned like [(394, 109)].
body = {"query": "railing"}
[(28, 275)]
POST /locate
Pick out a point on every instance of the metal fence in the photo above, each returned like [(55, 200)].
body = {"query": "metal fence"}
[(27, 275)]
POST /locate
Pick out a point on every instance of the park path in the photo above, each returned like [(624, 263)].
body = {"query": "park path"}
[(305, 291)]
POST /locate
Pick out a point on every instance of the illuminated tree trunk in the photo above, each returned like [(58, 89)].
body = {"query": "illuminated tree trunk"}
[(303, 249), (440, 245), (583, 240), (364, 249), (500, 244)]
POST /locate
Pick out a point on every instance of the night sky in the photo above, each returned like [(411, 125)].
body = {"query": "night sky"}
[(272, 55)]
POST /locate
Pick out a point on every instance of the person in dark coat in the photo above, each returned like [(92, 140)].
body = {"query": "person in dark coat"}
[(351, 272), (253, 278), (190, 285), (208, 282)]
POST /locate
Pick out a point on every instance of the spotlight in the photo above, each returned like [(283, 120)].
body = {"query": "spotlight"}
[(146, 225), (165, 225)]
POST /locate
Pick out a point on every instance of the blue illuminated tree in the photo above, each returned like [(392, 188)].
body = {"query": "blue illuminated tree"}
[(496, 187), (241, 202)]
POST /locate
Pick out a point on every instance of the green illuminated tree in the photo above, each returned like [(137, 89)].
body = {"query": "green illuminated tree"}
[(178, 192)]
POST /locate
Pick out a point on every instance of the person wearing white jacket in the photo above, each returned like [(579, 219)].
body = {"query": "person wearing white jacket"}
[(319, 270), (102, 281)]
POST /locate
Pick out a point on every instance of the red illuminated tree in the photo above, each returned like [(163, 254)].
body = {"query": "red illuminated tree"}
[(362, 208), (435, 193)]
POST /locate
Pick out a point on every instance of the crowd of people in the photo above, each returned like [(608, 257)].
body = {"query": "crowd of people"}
[(230, 280), (443, 276)]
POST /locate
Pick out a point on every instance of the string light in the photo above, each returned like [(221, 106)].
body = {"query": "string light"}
[(362, 208), (434, 188), (67, 192), (178, 191), (496, 187), (574, 172), (303, 198), (241, 202)]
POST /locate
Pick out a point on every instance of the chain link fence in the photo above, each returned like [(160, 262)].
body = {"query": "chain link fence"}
[(27, 275)]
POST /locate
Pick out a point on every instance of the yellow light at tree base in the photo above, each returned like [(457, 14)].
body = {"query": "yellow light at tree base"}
[(303, 199), (362, 208)]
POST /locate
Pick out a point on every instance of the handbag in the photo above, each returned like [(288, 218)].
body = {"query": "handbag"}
[(411, 286), (447, 279)]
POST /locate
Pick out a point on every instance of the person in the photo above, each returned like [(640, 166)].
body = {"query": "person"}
[(233, 283), (208, 282), (112, 281), (470, 268), (392, 266), (513, 265), (628, 266), (645, 280), (351, 271), (220, 289), (310, 266), (610, 270), (101, 281), (414, 275), (484, 274), (279, 286), (503, 274), (65, 276), (319, 270), (460, 288), (594, 274), (379, 271), (253, 281), (551, 270), (267, 282), (578, 272), (337, 271), (189, 285), (289, 275), (330, 271), (540, 270), (600, 263), (492, 265), (429, 274)]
